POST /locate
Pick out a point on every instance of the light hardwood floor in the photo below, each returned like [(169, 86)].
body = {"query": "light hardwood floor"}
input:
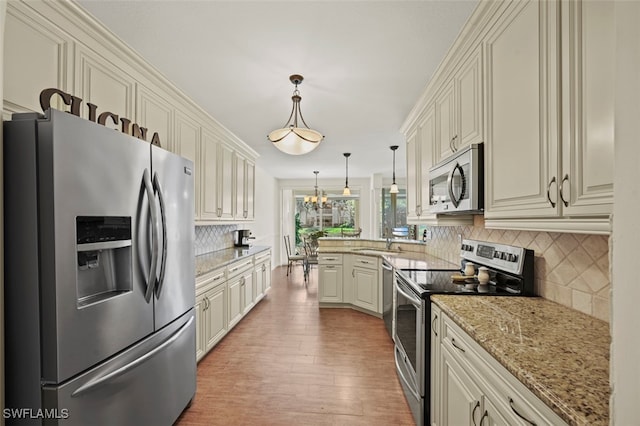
[(289, 363)]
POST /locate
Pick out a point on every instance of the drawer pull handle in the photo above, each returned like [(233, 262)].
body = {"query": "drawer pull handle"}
[(486, 414), (433, 328), (520, 415), (453, 342), (473, 414)]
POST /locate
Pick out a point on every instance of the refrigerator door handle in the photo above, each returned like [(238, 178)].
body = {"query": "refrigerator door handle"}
[(91, 384), (154, 235), (163, 219)]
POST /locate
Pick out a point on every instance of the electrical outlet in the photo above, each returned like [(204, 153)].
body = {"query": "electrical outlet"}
[(428, 234), (459, 238)]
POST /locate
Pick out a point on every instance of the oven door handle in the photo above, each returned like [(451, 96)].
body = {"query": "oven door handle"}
[(412, 298), (388, 268)]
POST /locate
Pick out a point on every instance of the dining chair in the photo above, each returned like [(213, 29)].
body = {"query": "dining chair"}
[(291, 257), (311, 256)]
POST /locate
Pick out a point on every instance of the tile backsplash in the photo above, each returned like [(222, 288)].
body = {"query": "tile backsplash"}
[(213, 237), (571, 269)]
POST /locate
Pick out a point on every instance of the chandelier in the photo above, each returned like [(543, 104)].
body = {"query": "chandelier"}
[(314, 202), (292, 139)]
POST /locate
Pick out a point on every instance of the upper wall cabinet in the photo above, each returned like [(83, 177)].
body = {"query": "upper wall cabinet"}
[(550, 152), (154, 112), (104, 84), (50, 44), (459, 107), (38, 61), (187, 144)]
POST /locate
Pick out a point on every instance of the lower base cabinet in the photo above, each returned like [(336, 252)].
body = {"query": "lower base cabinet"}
[(472, 388), (225, 296), (330, 291)]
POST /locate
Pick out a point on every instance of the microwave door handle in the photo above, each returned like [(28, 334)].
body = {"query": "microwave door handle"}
[(154, 235), (163, 219), (452, 196)]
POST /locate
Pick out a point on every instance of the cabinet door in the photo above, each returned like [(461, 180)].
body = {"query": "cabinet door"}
[(330, 283), (588, 107), (522, 116), (469, 101), (413, 177), (445, 122), (426, 140), (249, 191), (365, 288), (201, 326), (266, 280), (235, 301), (208, 165), (460, 397), (216, 315), (188, 146), (248, 292), (240, 211), (225, 189), (258, 281), (154, 112)]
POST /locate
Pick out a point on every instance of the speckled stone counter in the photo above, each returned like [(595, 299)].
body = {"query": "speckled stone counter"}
[(399, 260), (560, 354), (216, 259)]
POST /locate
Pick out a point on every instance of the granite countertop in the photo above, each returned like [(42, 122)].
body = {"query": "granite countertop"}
[(209, 261), (560, 354), (397, 259)]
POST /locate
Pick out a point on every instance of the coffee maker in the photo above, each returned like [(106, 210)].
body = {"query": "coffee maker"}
[(241, 237)]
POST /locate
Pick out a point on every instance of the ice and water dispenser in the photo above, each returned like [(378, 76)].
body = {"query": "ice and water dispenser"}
[(103, 247)]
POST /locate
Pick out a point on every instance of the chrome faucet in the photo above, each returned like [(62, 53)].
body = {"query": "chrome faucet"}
[(389, 242)]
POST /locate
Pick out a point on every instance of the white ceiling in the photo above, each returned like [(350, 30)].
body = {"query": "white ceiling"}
[(364, 63)]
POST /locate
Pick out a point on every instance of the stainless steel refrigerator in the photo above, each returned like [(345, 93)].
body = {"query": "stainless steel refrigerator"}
[(99, 275)]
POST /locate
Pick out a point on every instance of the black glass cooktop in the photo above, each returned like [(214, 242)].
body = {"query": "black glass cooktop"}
[(439, 282)]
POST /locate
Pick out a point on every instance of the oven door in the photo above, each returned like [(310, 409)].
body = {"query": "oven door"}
[(408, 333)]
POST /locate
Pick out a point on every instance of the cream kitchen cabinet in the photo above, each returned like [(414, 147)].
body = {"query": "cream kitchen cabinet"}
[(549, 159), (211, 318), (262, 275), (187, 145), (244, 187), (154, 112), (435, 321), (459, 109), (217, 178), (240, 279), (472, 388), (420, 148), (366, 283), (330, 278)]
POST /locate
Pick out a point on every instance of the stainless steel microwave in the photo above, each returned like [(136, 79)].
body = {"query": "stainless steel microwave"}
[(456, 184)]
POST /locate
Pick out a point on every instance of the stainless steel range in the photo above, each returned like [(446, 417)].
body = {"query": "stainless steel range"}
[(510, 272)]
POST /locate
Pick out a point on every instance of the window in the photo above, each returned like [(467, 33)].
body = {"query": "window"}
[(393, 212), (330, 215)]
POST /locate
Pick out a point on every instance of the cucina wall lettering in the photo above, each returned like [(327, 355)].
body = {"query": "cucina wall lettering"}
[(75, 103)]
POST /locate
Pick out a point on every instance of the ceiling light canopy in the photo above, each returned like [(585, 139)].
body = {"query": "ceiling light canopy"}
[(292, 139), (394, 186)]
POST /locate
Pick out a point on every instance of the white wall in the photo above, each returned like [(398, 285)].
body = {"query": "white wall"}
[(3, 11), (625, 315), (266, 202)]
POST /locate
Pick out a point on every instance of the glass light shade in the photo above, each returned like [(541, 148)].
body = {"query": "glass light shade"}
[(295, 140), (306, 198), (346, 191), (324, 198), (314, 199), (394, 189)]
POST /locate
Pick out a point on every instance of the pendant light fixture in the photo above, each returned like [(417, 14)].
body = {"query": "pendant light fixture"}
[(346, 190), (394, 186), (315, 201), (292, 139)]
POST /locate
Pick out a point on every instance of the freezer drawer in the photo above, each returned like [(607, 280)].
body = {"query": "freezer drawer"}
[(149, 384)]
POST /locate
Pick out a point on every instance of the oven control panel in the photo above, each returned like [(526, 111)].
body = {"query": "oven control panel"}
[(500, 256)]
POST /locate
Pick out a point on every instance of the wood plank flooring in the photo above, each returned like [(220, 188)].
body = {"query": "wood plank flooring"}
[(289, 363)]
